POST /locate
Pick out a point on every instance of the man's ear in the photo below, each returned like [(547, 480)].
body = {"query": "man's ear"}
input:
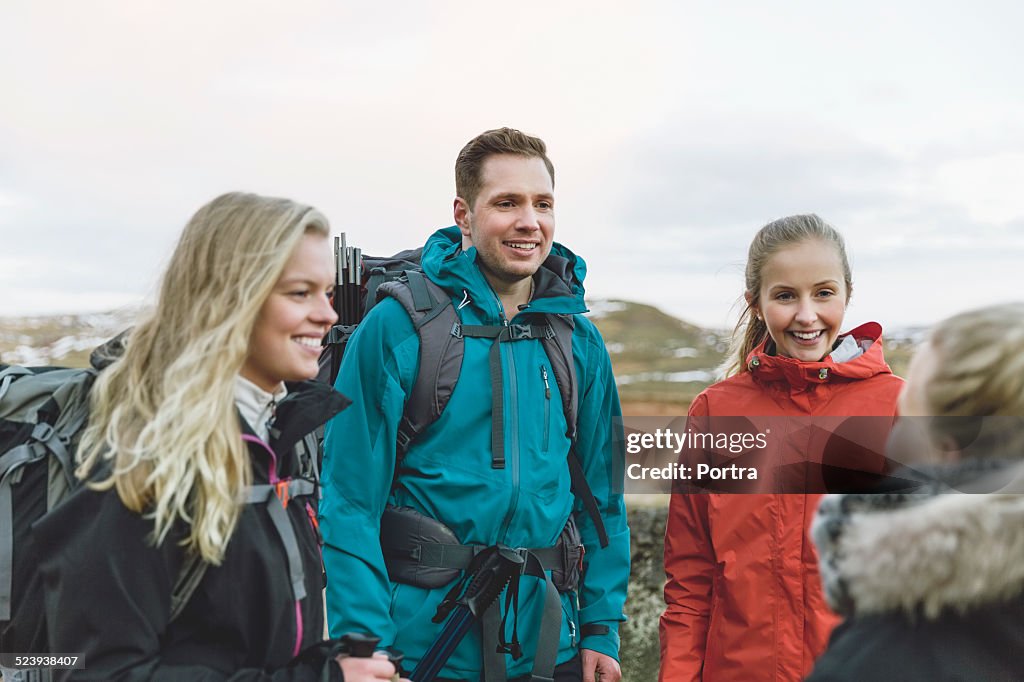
[(461, 212), (462, 219)]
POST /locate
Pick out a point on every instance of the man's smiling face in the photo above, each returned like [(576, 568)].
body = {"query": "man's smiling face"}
[(512, 220)]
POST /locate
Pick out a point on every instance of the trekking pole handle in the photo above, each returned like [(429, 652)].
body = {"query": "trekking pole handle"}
[(361, 645), (491, 578)]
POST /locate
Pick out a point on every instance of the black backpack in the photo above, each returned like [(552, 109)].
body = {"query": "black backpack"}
[(442, 347), (43, 411)]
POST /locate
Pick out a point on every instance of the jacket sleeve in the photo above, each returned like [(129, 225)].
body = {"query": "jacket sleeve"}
[(108, 593), (689, 569), (606, 570), (358, 467)]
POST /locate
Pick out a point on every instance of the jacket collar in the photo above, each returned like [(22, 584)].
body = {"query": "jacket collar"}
[(308, 405), (558, 284), (929, 552), (799, 375)]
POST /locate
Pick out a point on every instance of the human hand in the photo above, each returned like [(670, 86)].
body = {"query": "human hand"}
[(599, 667), (367, 669)]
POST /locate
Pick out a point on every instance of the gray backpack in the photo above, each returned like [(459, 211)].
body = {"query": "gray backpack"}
[(43, 411)]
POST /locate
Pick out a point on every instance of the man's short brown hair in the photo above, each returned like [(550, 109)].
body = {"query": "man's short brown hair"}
[(470, 162)]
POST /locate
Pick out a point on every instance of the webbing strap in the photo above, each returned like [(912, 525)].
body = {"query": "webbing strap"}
[(588, 629), (11, 460), (447, 555), (47, 435), (268, 494), (421, 298), (442, 555), (547, 635), (497, 408), (500, 334), (194, 568), (8, 376), (189, 577), (296, 487), (581, 489), (550, 625), (6, 548), (493, 656)]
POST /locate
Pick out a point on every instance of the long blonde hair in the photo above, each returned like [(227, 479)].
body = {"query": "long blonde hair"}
[(751, 331), (164, 415)]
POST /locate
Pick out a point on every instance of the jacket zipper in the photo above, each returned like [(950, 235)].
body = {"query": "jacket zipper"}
[(547, 405), (512, 411), (512, 408)]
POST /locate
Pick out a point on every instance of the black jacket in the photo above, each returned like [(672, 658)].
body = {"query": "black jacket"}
[(932, 583), (108, 589)]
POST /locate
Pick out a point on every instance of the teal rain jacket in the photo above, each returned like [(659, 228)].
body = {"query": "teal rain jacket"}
[(447, 472)]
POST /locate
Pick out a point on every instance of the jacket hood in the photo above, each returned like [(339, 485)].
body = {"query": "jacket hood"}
[(798, 374), (926, 553), (558, 283)]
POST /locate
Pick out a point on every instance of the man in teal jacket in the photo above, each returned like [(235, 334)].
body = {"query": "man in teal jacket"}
[(499, 265)]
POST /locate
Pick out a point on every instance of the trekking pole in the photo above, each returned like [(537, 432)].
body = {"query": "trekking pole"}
[(338, 303), (498, 566), (355, 283), (339, 266)]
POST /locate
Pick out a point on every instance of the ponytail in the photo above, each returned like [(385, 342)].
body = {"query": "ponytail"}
[(749, 333)]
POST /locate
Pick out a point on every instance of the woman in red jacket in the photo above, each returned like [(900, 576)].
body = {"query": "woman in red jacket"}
[(743, 596)]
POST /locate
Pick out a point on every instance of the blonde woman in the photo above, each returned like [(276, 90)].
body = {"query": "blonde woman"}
[(198, 416), (932, 581)]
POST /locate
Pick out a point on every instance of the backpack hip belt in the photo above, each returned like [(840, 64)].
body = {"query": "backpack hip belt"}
[(423, 552)]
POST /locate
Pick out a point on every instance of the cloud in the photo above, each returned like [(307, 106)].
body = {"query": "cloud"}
[(677, 129)]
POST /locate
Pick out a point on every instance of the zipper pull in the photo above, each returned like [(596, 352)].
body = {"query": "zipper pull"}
[(547, 386)]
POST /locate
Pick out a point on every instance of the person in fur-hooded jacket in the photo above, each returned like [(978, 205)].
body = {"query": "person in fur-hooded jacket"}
[(932, 581)]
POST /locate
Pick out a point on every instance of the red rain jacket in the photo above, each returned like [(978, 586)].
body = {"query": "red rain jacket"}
[(744, 599)]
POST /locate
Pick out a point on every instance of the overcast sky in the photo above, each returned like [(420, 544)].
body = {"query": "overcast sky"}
[(677, 129)]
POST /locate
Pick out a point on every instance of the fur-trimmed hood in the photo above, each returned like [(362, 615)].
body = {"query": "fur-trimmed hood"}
[(927, 552)]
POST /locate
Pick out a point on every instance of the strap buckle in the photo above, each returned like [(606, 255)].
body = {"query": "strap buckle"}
[(517, 332), (43, 432)]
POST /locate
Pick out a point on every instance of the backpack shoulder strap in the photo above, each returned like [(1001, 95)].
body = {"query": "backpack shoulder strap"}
[(441, 351), (189, 577), (47, 408), (559, 350)]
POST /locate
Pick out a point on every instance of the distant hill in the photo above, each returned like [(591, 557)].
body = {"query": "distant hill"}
[(657, 358), (660, 362)]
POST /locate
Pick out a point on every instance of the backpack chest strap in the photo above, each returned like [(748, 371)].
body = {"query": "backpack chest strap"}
[(500, 334), (269, 494)]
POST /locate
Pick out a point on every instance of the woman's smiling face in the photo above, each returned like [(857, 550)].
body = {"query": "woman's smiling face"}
[(803, 299), (285, 341)]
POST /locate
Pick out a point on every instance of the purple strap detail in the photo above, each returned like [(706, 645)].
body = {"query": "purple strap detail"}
[(298, 629), (274, 479), (273, 457)]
